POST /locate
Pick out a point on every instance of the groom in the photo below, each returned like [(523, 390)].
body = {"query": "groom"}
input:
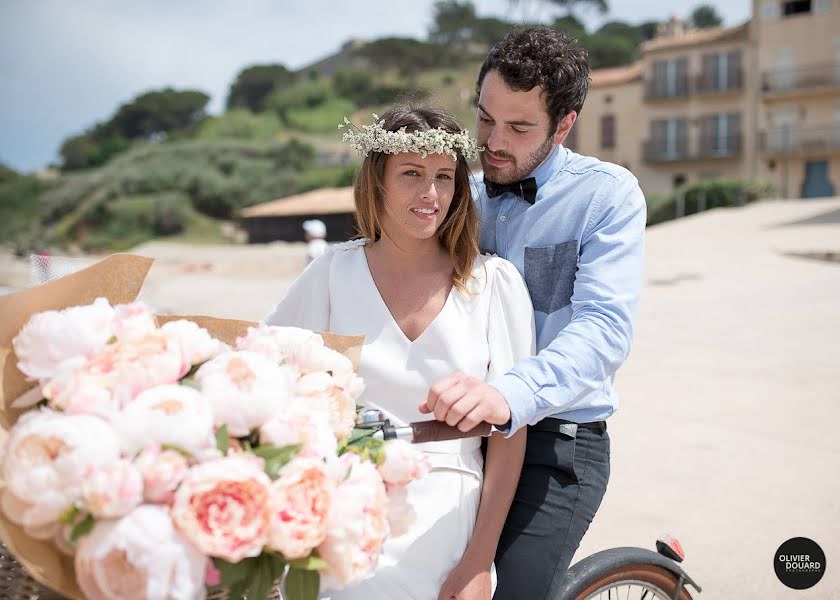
[(574, 227)]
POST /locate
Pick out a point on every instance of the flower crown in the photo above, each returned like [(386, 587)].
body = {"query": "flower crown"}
[(375, 138)]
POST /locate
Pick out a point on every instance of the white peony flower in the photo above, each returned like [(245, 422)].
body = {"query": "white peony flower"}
[(401, 514), (318, 392), (46, 458), (246, 389), (357, 526), (133, 320), (53, 342), (311, 429), (139, 557), (403, 463), (278, 343), (112, 490), (121, 371), (169, 415), (162, 472), (196, 342)]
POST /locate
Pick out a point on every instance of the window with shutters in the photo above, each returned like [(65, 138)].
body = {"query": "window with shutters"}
[(670, 78), (607, 132)]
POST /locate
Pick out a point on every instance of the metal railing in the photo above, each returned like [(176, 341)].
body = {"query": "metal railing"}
[(658, 89), (801, 78), (800, 140), (709, 83), (659, 150)]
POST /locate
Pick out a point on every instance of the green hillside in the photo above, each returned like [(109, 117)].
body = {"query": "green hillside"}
[(161, 166)]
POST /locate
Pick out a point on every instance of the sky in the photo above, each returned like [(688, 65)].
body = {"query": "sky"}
[(65, 65)]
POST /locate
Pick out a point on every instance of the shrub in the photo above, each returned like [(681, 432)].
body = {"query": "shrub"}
[(719, 192)]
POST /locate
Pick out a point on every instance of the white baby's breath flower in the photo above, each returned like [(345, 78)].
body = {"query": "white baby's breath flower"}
[(375, 138)]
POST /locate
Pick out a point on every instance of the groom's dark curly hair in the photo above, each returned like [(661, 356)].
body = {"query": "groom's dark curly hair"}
[(539, 56)]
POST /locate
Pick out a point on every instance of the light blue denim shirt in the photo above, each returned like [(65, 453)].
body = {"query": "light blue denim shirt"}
[(580, 249)]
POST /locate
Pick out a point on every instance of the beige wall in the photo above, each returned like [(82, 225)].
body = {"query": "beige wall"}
[(814, 40)]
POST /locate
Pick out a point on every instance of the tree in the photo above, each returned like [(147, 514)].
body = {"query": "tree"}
[(158, 112), (254, 84), (569, 6), (7, 173), (454, 21), (570, 26), (705, 16)]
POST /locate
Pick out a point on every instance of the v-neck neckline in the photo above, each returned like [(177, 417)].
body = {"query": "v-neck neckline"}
[(388, 312)]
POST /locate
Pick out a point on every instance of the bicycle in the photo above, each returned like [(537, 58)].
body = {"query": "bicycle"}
[(627, 572)]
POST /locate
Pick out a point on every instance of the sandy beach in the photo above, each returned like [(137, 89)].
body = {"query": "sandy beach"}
[(725, 435)]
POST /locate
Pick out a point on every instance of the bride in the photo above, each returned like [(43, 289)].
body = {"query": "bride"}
[(428, 304)]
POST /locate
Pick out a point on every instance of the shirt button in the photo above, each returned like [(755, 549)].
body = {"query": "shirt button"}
[(503, 218)]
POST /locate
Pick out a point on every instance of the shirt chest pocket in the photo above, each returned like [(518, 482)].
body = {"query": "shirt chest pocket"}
[(550, 275)]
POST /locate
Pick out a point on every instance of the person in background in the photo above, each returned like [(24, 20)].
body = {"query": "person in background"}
[(315, 234)]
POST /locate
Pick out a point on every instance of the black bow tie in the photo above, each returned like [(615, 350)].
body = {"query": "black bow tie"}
[(525, 189)]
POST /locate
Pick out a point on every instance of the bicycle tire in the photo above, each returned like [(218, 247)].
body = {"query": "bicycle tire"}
[(652, 574)]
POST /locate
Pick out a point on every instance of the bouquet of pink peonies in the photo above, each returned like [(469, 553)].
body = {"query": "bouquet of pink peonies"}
[(167, 456)]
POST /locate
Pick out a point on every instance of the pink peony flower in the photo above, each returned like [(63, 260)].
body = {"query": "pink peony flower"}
[(401, 514), (246, 389), (174, 415), (357, 525), (299, 504), (162, 472), (318, 392), (133, 320), (310, 429), (45, 459), (403, 463), (139, 557), (57, 341), (196, 342), (222, 507), (122, 370), (112, 490)]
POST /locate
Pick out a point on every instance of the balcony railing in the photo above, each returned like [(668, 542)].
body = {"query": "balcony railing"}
[(801, 78), (658, 150), (657, 89), (709, 83), (800, 140)]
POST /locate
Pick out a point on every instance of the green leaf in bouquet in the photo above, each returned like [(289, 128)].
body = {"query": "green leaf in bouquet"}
[(301, 585), (177, 449), (368, 448), (222, 439), (360, 433), (276, 457), (231, 573), (190, 382), (310, 563), (69, 515), (262, 581), (82, 528)]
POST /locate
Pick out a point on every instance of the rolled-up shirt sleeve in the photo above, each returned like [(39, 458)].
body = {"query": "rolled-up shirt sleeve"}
[(591, 348)]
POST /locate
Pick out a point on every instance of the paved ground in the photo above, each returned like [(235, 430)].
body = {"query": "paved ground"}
[(727, 435)]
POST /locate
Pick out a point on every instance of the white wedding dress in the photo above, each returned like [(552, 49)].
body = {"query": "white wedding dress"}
[(481, 334)]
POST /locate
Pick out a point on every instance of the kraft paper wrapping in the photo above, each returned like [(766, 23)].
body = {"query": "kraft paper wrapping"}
[(117, 278)]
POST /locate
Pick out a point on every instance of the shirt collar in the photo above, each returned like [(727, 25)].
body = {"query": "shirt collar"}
[(552, 164)]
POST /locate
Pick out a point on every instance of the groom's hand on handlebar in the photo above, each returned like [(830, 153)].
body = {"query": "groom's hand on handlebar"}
[(465, 401)]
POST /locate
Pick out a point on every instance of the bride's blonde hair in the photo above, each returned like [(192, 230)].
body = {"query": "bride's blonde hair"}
[(458, 233)]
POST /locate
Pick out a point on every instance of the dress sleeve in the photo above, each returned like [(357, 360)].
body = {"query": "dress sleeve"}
[(307, 303), (511, 332)]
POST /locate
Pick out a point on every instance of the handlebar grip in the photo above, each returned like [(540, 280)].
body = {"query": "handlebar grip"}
[(437, 431)]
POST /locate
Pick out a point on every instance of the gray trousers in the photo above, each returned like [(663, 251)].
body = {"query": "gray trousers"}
[(563, 481)]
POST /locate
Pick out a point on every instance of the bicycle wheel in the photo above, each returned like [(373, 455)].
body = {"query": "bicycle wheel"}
[(634, 582)]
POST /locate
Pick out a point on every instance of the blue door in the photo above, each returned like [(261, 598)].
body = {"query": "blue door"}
[(817, 184)]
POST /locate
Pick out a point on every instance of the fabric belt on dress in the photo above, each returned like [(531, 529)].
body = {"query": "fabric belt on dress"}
[(460, 446), (554, 425)]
